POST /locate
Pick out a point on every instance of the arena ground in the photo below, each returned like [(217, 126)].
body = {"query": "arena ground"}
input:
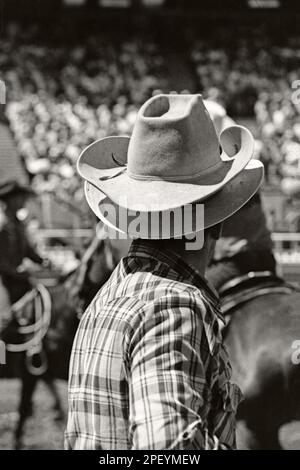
[(42, 432)]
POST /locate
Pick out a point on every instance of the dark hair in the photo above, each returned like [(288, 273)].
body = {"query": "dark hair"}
[(213, 231)]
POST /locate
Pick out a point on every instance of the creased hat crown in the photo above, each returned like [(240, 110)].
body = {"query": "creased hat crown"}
[(173, 137)]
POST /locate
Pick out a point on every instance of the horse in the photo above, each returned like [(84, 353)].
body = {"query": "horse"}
[(262, 336), (262, 330), (40, 334)]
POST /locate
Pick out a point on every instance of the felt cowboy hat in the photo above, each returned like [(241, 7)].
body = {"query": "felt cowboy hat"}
[(9, 187), (173, 159)]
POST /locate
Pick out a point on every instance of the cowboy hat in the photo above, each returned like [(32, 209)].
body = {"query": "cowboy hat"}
[(9, 187), (217, 208), (172, 159)]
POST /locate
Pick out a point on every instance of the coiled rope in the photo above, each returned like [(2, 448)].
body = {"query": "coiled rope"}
[(38, 329)]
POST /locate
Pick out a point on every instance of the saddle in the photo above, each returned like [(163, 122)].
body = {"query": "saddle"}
[(254, 284)]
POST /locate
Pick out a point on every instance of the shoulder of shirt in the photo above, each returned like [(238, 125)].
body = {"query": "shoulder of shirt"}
[(137, 292), (140, 284)]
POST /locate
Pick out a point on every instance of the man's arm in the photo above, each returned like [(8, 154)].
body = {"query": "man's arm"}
[(167, 377)]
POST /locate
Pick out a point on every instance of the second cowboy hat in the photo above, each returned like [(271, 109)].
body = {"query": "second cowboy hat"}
[(173, 158)]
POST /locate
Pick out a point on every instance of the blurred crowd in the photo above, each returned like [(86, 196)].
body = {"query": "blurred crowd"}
[(62, 97), (253, 75)]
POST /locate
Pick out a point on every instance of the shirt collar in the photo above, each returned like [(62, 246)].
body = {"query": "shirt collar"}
[(184, 272)]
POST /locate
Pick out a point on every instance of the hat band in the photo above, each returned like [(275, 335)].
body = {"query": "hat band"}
[(178, 178)]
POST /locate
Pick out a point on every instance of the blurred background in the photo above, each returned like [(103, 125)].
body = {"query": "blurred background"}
[(78, 70)]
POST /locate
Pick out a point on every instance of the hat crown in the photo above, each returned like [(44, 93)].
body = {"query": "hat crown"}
[(174, 136), (172, 159)]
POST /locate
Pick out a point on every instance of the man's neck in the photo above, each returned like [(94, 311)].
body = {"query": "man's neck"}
[(197, 259)]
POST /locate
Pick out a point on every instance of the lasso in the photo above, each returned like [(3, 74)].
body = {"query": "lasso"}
[(42, 314)]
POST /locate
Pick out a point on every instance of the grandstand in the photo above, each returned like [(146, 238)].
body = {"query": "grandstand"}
[(10, 161)]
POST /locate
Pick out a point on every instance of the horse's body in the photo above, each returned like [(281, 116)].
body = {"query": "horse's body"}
[(260, 339)]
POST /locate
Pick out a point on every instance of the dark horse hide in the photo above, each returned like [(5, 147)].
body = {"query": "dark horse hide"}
[(262, 339)]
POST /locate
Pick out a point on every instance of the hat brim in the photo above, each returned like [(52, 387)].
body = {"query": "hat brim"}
[(103, 165), (217, 208)]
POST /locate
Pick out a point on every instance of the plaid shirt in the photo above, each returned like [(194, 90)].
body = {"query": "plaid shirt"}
[(148, 367)]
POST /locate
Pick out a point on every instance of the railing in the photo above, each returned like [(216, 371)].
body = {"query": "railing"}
[(66, 233), (286, 237), (286, 245), (65, 256), (287, 248), (88, 232)]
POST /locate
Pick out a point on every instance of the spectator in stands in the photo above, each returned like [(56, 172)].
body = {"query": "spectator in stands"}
[(14, 244), (291, 165)]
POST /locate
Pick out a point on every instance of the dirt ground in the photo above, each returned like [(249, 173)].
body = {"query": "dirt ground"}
[(43, 432)]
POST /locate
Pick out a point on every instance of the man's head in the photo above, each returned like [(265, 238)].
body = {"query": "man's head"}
[(171, 163)]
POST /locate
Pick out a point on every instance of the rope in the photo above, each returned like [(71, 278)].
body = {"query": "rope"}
[(42, 311)]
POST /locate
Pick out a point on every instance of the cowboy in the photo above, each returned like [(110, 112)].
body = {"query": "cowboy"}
[(14, 245), (245, 244), (148, 367)]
